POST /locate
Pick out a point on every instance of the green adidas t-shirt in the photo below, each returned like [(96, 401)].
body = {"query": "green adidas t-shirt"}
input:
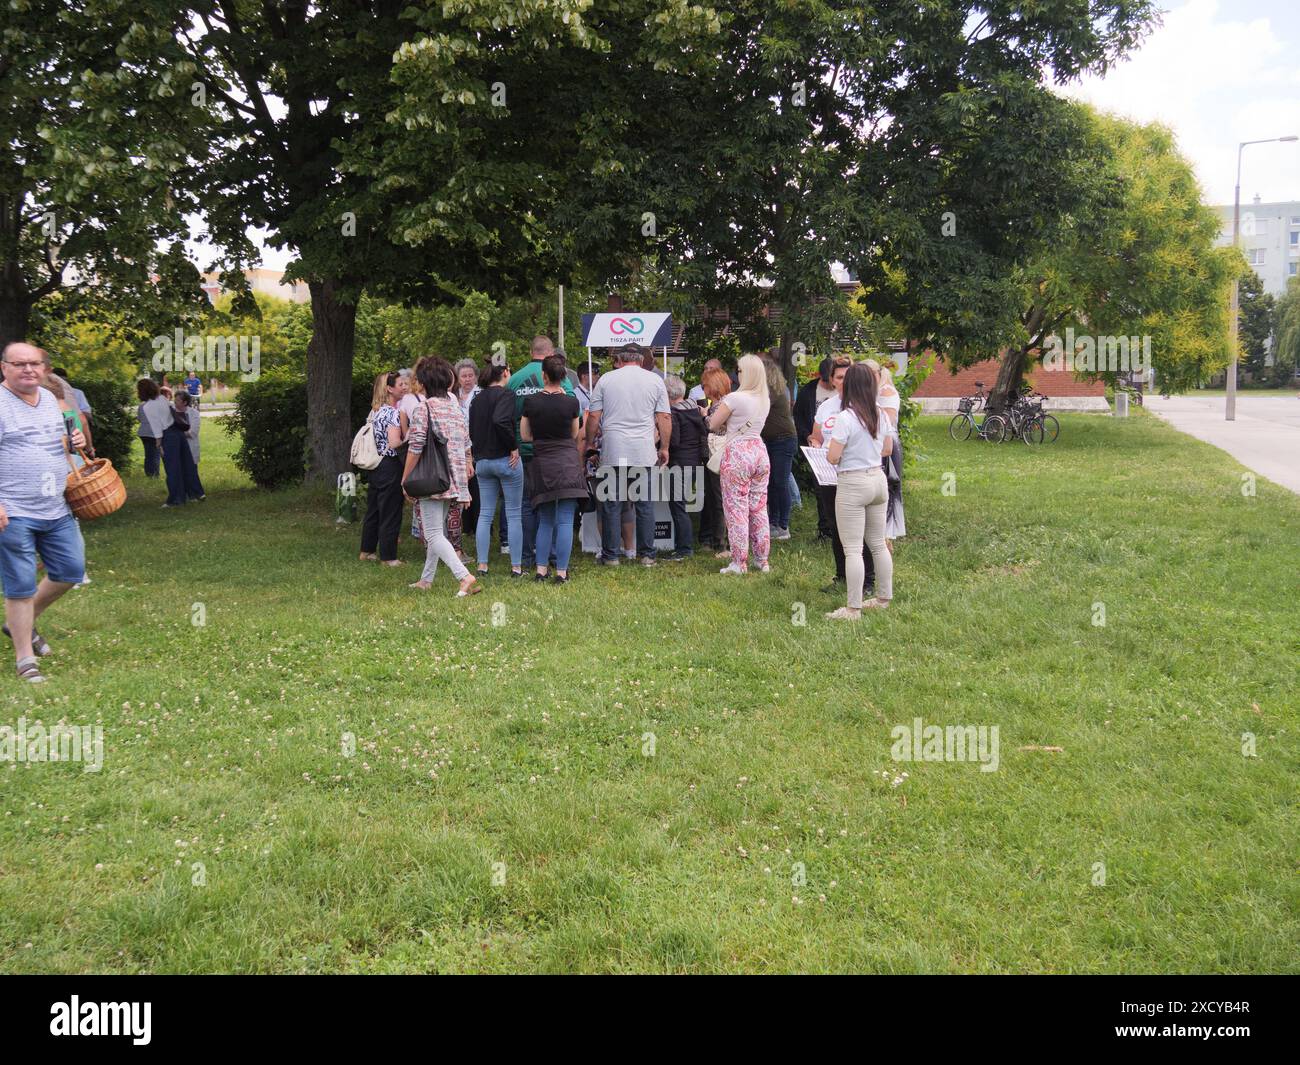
[(526, 382)]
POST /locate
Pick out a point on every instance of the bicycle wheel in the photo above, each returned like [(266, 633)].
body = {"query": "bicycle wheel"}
[(960, 427), (993, 428), (1032, 432), (1051, 428)]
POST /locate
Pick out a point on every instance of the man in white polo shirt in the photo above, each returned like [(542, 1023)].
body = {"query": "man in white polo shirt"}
[(34, 517)]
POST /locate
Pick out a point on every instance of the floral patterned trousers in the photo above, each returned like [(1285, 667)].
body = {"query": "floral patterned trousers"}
[(745, 470)]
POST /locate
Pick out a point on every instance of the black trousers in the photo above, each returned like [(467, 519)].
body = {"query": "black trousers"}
[(384, 502), (826, 498), (713, 522)]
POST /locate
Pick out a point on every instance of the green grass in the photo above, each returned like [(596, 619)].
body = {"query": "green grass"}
[(521, 742)]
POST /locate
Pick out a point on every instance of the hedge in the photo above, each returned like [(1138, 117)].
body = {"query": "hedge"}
[(112, 420), (270, 420)]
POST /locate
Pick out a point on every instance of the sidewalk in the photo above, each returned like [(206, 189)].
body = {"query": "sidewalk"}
[(1264, 438)]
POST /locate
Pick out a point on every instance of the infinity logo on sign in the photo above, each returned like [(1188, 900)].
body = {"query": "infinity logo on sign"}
[(619, 326)]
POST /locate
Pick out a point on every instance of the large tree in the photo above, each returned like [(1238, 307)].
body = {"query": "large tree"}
[(412, 150), (839, 130), (1134, 257), (1286, 346), (1255, 325), (98, 133)]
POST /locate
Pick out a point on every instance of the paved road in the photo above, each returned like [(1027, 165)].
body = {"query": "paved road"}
[(1264, 438)]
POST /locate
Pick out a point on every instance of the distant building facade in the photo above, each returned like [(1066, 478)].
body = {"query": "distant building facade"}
[(260, 279), (1270, 239)]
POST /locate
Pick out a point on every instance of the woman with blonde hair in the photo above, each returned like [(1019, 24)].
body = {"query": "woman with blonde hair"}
[(745, 468), (384, 496), (713, 523)]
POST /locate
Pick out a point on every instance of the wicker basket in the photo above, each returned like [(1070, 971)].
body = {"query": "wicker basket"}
[(95, 490)]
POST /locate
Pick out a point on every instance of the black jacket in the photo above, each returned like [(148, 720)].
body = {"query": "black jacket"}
[(688, 446), (805, 410), (492, 424)]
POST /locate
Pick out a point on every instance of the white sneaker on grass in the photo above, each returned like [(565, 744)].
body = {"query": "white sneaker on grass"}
[(731, 569)]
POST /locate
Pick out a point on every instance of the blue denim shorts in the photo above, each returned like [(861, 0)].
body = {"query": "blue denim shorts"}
[(57, 540)]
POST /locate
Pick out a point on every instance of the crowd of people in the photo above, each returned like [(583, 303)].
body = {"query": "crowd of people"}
[(541, 441)]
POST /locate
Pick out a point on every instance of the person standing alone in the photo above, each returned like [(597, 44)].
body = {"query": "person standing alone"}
[(34, 517)]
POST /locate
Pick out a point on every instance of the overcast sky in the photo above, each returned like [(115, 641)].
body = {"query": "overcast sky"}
[(1218, 74)]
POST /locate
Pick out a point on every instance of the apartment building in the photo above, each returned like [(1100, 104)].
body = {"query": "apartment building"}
[(1270, 239)]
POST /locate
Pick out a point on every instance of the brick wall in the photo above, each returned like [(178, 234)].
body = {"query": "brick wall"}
[(942, 384)]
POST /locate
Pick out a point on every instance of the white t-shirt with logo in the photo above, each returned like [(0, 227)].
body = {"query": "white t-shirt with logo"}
[(862, 451), (825, 417)]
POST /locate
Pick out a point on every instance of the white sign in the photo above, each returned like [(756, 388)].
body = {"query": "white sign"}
[(627, 327)]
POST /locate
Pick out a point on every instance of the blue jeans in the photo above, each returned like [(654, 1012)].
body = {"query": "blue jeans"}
[(555, 520), (683, 532), (780, 455), (58, 540), (611, 531), (496, 477), (527, 520)]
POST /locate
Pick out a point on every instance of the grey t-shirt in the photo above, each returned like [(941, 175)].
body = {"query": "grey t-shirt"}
[(628, 399), (33, 471)]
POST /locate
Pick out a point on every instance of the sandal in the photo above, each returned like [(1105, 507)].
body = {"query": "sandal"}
[(875, 604), (39, 645), (28, 670), (845, 613), (469, 589)]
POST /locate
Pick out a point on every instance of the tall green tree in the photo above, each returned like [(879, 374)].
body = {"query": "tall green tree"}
[(411, 150), (1286, 346), (1136, 257), (98, 134), (1255, 324)]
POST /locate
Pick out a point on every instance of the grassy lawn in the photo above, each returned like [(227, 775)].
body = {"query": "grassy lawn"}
[(229, 831)]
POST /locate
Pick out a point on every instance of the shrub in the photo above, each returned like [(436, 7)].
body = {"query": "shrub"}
[(112, 420), (270, 418)]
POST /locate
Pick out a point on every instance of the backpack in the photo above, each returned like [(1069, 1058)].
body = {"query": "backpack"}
[(365, 455)]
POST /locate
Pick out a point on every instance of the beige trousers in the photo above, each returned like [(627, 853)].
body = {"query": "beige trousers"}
[(860, 503)]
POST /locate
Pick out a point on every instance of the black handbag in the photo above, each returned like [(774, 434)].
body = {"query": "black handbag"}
[(431, 475)]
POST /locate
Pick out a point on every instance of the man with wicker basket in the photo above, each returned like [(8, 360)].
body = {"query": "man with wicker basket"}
[(34, 516)]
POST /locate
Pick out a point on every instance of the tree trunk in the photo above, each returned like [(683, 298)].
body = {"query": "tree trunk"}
[(15, 305), (329, 380), (785, 360), (1010, 376)]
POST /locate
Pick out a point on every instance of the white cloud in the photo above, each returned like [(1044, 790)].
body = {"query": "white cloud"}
[(1216, 81)]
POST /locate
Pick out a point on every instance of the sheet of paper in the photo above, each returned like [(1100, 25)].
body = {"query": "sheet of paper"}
[(822, 470)]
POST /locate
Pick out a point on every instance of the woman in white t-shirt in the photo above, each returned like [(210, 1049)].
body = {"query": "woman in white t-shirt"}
[(745, 468), (823, 425), (860, 442)]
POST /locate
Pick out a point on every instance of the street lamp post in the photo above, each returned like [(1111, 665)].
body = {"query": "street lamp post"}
[(1230, 404)]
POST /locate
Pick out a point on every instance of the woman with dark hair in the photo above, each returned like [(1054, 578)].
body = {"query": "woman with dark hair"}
[(440, 413), (155, 415), (384, 496), (497, 468), (556, 477), (860, 442), (811, 396)]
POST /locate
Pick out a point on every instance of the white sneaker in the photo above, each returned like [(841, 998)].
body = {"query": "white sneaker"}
[(780, 534), (732, 569)]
